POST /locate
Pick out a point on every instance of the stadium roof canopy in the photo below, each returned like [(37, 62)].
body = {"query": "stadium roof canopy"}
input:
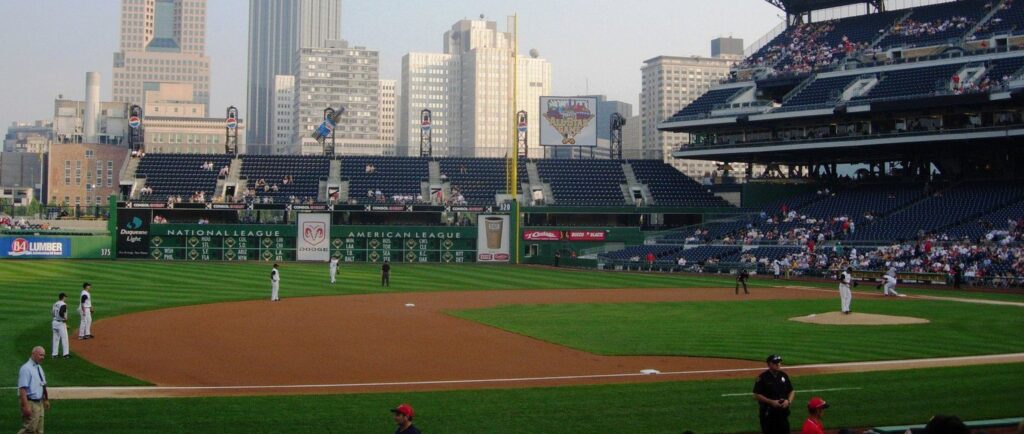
[(798, 7)]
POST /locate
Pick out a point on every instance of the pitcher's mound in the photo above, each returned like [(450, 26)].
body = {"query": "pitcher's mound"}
[(854, 318)]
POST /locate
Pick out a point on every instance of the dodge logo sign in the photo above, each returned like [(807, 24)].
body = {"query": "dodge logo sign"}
[(314, 232)]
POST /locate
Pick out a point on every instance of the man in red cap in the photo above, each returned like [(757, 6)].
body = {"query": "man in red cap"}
[(815, 408), (403, 418)]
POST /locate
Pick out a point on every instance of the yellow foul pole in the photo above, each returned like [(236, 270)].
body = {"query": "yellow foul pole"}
[(514, 167)]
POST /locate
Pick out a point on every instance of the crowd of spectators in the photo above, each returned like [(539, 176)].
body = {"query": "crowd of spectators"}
[(805, 48), (995, 21), (997, 259), (930, 28)]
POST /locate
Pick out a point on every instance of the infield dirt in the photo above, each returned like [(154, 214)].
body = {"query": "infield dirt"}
[(375, 343)]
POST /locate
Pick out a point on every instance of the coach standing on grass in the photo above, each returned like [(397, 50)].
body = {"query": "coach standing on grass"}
[(774, 393), (32, 393)]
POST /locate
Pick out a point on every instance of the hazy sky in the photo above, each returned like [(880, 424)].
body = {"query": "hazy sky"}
[(594, 46)]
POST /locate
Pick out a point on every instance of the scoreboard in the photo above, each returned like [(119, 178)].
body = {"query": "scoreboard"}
[(194, 242)]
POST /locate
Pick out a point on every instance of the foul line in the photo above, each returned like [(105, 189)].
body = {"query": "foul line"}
[(800, 391), (921, 297), (1013, 357)]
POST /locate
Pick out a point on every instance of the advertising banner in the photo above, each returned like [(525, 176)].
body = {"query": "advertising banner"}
[(133, 233), (492, 242), (35, 247), (313, 243), (531, 235), (585, 235), (568, 121)]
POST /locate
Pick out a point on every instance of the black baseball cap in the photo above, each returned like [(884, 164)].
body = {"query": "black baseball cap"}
[(774, 358)]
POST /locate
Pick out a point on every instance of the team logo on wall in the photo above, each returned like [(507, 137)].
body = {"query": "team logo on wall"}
[(314, 232)]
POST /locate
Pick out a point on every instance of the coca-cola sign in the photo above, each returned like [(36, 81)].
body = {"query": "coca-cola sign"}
[(542, 235), (585, 235)]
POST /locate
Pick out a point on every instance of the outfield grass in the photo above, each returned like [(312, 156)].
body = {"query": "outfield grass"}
[(864, 399), (750, 330)]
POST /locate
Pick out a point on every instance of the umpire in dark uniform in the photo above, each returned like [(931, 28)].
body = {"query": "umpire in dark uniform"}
[(741, 279), (385, 274), (774, 393)]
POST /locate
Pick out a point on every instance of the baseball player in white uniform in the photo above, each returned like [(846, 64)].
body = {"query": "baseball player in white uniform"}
[(334, 268), (845, 296), (275, 283), (776, 269), (85, 311), (889, 286), (60, 326)]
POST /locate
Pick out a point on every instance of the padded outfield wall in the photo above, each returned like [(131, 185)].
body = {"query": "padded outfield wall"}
[(38, 246)]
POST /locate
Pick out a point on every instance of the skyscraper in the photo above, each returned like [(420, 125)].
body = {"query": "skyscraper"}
[(467, 89), (162, 41), (277, 30), (388, 100), (342, 75)]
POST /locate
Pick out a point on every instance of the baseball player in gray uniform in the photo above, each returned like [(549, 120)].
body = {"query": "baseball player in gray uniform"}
[(85, 311), (334, 268), (889, 286), (60, 326), (275, 283), (845, 296)]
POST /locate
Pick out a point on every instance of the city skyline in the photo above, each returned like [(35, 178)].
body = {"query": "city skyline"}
[(609, 63)]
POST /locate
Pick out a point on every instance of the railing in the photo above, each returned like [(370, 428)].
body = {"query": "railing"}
[(691, 147), (764, 40)]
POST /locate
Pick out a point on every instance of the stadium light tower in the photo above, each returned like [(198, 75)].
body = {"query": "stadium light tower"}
[(615, 126), (426, 141), (326, 129)]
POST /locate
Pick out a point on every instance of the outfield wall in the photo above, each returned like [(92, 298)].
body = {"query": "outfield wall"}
[(55, 247)]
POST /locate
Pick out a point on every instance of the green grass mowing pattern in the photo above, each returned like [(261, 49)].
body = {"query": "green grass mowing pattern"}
[(29, 288), (119, 287), (750, 330), (883, 398)]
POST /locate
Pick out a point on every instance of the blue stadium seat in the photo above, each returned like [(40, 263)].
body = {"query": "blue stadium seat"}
[(180, 174)]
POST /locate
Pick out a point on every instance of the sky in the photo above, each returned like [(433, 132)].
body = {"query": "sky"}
[(594, 46)]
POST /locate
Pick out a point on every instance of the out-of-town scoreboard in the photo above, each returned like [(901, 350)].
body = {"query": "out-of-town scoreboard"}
[(278, 243)]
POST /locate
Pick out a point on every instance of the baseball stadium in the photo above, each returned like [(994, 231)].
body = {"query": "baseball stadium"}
[(544, 295)]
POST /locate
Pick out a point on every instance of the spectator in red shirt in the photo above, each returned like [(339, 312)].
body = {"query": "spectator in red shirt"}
[(650, 260), (816, 409)]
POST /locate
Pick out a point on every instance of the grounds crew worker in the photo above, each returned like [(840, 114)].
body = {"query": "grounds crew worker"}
[(774, 393), (60, 326)]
